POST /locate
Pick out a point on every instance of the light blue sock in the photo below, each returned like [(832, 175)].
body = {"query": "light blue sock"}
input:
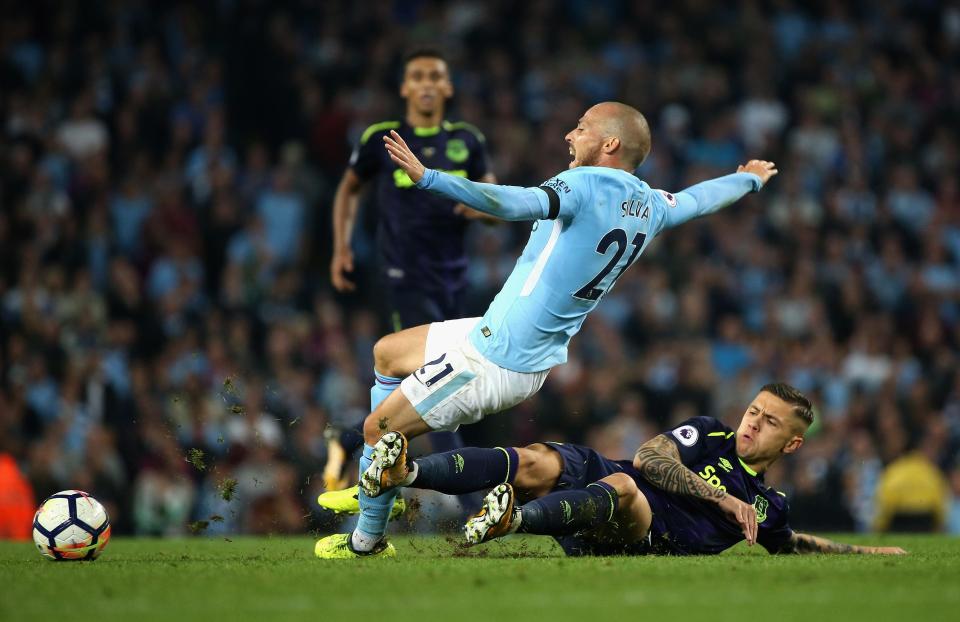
[(382, 387), (374, 511)]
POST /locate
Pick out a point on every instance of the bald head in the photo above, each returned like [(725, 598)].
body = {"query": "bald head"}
[(626, 124)]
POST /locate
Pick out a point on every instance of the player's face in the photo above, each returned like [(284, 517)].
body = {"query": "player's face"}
[(426, 84), (585, 141), (768, 428)]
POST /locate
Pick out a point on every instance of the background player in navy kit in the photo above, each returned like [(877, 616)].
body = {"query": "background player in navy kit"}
[(420, 236), (697, 489)]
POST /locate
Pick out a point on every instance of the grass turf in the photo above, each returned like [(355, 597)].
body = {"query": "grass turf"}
[(279, 579)]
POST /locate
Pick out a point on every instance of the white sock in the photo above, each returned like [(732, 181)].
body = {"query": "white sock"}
[(363, 542), (412, 475), (517, 520)]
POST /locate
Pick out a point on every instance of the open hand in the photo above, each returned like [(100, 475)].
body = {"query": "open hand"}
[(885, 550), (404, 158), (761, 168), (743, 514)]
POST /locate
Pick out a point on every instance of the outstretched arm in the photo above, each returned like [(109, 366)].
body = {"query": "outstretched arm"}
[(506, 202), (806, 543), (710, 196), (658, 460), (471, 214)]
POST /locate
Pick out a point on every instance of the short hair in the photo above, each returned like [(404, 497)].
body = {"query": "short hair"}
[(639, 152), (631, 127), (423, 52), (802, 407)]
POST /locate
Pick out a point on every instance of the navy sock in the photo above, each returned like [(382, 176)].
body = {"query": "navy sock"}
[(467, 469), (570, 511), (351, 439)]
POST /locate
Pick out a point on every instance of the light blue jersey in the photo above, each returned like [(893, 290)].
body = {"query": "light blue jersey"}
[(592, 223)]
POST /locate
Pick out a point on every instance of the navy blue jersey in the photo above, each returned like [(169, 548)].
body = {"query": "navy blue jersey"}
[(420, 238), (688, 525), (684, 525)]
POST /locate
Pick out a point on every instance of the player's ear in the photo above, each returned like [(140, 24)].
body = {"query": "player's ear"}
[(447, 88), (611, 144), (793, 444)]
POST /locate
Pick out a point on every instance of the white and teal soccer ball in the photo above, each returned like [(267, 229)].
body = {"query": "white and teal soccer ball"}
[(71, 525)]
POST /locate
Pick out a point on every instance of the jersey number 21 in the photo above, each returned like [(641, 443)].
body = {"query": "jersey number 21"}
[(590, 291)]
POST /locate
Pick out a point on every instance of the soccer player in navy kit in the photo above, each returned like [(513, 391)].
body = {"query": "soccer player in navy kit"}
[(421, 236), (590, 224), (696, 489)]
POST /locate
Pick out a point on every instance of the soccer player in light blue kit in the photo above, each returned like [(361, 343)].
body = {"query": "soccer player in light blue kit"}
[(591, 223)]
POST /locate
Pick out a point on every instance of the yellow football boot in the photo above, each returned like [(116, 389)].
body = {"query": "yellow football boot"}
[(338, 546), (346, 502)]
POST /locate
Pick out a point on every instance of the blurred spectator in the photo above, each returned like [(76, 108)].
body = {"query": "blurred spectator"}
[(953, 520), (283, 214), (17, 504), (162, 494), (912, 495)]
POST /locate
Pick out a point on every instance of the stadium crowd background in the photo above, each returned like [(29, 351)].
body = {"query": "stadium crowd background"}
[(166, 319)]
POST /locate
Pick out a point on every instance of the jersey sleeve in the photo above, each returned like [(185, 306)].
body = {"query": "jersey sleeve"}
[(506, 202), (701, 199), (565, 193), (776, 536), (697, 437), (366, 158), (479, 164)]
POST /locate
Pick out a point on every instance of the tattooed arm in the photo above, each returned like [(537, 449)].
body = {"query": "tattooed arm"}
[(658, 460), (806, 543)]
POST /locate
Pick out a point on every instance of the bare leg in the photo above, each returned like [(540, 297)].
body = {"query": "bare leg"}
[(399, 354), (395, 356), (395, 414), (538, 472)]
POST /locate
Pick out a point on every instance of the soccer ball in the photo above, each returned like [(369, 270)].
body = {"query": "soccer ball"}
[(71, 525)]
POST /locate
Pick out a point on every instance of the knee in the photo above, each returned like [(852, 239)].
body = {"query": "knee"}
[(633, 508), (624, 485), (384, 356), (399, 354)]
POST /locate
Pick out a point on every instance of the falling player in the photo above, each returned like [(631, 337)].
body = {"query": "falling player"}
[(591, 223)]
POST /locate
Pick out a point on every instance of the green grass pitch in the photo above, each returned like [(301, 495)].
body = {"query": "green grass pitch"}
[(522, 579)]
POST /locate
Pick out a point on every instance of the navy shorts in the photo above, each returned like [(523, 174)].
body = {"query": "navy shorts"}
[(582, 466), (408, 307)]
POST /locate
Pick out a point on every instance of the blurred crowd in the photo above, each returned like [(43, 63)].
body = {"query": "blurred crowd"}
[(169, 340)]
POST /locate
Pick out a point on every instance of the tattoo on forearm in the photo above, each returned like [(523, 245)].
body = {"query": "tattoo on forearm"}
[(805, 543), (659, 462)]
